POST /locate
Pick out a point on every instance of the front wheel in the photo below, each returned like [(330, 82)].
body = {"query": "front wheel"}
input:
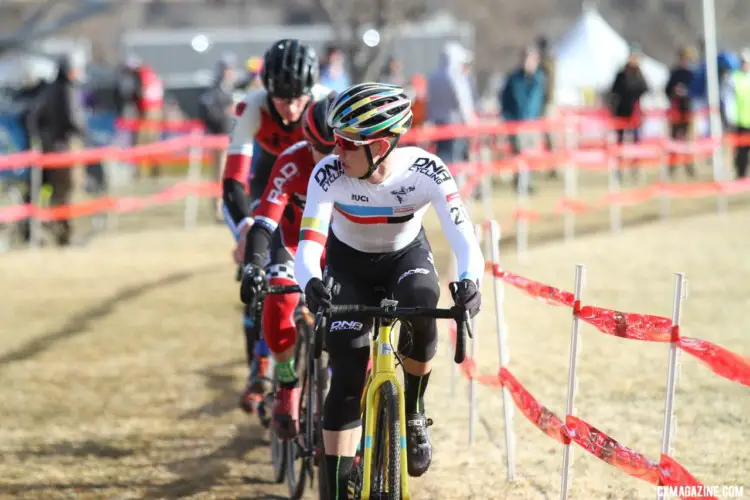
[(321, 392), (386, 461), (279, 453), (279, 457), (299, 460)]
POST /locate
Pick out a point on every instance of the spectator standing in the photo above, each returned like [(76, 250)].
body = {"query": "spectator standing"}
[(251, 79), (58, 116), (333, 73), (140, 95), (547, 63), (393, 73), (625, 100), (417, 92), (522, 99), (27, 98), (680, 112), (738, 112), (96, 178), (215, 111), (450, 100)]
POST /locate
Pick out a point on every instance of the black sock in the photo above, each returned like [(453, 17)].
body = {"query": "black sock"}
[(338, 469), (415, 388)]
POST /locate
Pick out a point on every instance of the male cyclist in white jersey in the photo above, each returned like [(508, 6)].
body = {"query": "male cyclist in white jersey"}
[(267, 121), (374, 196)]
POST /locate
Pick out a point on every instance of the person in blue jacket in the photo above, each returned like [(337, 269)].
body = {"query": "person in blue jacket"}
[(727, 62), (522, 98)]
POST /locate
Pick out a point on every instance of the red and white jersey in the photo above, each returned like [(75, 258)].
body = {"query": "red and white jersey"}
[(287, 186), (254, 122)]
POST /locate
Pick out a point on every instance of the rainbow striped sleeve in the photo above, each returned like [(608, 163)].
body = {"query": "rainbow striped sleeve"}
[(314, 229)]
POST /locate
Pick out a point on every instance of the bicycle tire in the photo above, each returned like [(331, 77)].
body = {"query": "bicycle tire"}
[(386, 465), (321, 392), (297, 479), (279, 454)]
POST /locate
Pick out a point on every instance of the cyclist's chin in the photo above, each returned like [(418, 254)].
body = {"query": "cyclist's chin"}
[(290, 116), (349, 170)]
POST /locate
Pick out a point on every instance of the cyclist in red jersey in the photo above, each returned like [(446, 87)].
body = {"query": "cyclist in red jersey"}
[(267, 121), (286, 189)]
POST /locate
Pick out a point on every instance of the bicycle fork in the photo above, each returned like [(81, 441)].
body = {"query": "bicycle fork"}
[(383, 370)]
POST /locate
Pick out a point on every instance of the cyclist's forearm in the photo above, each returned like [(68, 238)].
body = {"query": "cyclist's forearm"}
[(307, 263), (258, 241), (236, 205), (469, 260)]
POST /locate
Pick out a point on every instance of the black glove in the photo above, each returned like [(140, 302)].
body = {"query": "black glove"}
[(316, 295), (252, 282), (467, 295)]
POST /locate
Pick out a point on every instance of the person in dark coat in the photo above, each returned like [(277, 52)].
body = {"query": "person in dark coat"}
[(215, 111), (58, 116), (681, 106), (625, 98)]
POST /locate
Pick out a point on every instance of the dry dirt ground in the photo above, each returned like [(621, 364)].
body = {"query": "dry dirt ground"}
[(122, 360)]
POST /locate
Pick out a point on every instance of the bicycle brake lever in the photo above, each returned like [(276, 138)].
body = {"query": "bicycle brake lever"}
[(453, 287), (319, 317), (467, 320)]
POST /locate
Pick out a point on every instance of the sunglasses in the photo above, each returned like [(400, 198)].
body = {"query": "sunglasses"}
[(347, 144)]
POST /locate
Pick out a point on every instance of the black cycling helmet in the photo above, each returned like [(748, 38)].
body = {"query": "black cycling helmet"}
[(290, 69), (315, 126)]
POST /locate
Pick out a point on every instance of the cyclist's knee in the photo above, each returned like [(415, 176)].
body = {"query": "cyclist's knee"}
[(348, 375), (278, 326), (420, 288), (418, 339)]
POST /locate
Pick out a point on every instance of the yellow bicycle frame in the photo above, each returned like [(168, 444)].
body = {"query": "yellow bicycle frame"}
[(383, 370)]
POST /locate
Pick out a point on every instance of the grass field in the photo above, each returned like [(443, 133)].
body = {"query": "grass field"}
[(122, 361)]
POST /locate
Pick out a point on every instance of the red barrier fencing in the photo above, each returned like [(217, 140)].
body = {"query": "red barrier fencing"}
[(571, 429), (634, 326), (661, 151), (482, 130), (125, 204), (668, 472)]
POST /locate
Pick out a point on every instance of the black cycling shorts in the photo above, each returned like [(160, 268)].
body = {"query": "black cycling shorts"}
[(408, 276)]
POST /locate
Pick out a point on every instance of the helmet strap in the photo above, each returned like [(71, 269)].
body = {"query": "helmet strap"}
[(372, 165)]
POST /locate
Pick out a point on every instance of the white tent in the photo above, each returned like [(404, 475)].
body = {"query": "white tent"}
[(588, 58)]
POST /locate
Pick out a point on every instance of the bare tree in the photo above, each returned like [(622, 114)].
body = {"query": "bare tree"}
[(349, 19)]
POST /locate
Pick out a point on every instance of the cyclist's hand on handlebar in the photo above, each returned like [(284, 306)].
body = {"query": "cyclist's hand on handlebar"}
[(468, 296), (252, 280), (316, 295)]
